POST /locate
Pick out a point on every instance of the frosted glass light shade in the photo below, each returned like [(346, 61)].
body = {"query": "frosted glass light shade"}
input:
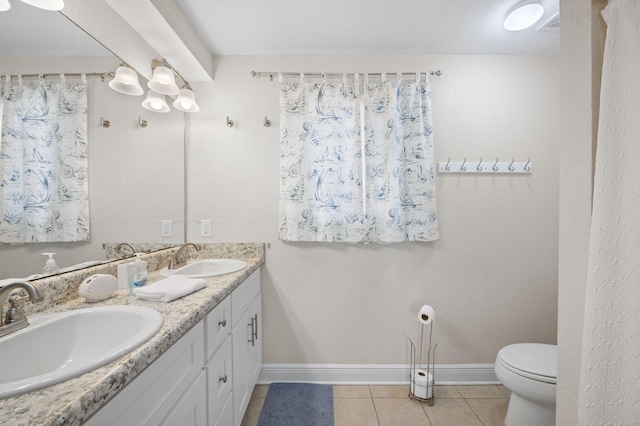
[(163, 81), (126, 82), (4, 5), (155, 102), (46, 4), (186, 101), (523, 15)]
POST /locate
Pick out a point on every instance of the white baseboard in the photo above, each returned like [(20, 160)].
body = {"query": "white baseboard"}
[(374, 374)]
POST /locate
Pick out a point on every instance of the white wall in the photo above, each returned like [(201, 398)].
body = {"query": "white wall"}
[(136, 175), (492, 276)]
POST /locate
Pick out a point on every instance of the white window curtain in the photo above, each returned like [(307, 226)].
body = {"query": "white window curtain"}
[(43, 161), (339, 186)]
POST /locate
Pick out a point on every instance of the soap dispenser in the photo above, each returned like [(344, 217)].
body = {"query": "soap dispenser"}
[(50, 266), (141, 276)]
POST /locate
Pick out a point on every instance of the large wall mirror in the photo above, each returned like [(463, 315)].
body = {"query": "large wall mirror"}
[(136, 172)]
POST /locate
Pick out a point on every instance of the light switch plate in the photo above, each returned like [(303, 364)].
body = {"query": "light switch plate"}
[(205, 228), (166, 228)]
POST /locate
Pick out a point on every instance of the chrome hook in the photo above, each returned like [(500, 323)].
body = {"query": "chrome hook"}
[(229, 122), (526, 166), (446, 166), (463, 167), (495, 166), (479, 166), (266, 122), (104, 123), (142, 123), (511, 168)]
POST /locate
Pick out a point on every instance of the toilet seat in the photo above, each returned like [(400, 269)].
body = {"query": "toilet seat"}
[(535, 361)]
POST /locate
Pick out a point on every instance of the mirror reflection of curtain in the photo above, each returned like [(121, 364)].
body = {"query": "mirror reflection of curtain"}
[(338, 186), (43, 161)]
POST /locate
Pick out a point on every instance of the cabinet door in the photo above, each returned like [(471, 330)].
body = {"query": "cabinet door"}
[(191, 409), (219, 380), (247, 357)]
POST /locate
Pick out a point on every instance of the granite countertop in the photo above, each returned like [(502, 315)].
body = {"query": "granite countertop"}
[(72, 402)]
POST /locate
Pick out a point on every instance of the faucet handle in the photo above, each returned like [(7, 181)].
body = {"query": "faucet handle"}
[(16, 310)]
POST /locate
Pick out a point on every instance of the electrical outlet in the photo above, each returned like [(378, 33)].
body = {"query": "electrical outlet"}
[(167, 228), (205, 228)]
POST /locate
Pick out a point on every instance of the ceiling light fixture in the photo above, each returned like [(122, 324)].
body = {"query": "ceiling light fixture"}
[(4, 5), (523, 15), (126, 81), (46, 4)]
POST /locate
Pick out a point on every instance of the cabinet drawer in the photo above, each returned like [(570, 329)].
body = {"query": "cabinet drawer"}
[(191, 410), (219, 379), (217, 326), (243, 296)]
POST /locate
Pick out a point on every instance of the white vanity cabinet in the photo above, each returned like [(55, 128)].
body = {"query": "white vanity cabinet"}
[(168, 392), (206, 377)]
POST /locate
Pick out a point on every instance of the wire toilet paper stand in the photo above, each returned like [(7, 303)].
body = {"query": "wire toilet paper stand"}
[(421, 374)]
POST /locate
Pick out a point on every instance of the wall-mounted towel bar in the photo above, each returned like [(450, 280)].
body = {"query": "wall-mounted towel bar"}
[(487, 167)]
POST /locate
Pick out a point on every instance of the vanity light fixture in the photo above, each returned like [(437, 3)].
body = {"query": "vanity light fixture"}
[(4, 5), (186, 100), (523, 15), (163, 80), (126, 81), (155, 102), (46, 4)]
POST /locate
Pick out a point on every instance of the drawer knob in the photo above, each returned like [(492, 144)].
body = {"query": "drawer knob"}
[(223, 322), (223, 379)]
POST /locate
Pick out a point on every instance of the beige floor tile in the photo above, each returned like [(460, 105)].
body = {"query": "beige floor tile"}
[(446, 392), (449, 412), (260, 391), (342, 391), (491, 411), (354, 412), (505, 391), (490, 391), (253, 412), (400, 412), (381, 391)]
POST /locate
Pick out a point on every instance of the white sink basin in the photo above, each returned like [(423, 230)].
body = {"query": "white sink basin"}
[(59, 346), (206, 268)]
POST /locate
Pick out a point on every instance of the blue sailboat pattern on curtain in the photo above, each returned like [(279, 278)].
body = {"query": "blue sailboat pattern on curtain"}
[(43, 162), (344, 189)]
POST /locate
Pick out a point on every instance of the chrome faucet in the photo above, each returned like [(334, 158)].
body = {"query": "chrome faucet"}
[(15, 318), (179, 259), (131, 247)]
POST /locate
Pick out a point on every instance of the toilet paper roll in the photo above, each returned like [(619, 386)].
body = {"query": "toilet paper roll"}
[(426, 314), (422, 384)]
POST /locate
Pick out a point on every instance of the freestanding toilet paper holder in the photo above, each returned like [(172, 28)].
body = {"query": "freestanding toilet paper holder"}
[(421, 377)]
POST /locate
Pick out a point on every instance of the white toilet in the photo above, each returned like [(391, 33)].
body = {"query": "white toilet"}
[(528, 370)]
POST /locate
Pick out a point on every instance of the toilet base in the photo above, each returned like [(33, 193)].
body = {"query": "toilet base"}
[(525, 412)]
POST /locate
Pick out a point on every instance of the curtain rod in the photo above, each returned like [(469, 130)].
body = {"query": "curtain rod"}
[(270, 74), (102, 75)]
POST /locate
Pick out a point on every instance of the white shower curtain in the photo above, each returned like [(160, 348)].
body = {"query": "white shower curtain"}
[(340, 186), (609, 392), (43, 161)]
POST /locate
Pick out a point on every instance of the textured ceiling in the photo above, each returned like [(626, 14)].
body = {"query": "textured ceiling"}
[(303, 27), (364, 27)]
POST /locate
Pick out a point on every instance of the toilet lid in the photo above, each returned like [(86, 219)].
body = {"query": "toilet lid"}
[(532, 359)]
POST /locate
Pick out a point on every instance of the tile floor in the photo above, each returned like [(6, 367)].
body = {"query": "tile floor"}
[(390, 406)]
